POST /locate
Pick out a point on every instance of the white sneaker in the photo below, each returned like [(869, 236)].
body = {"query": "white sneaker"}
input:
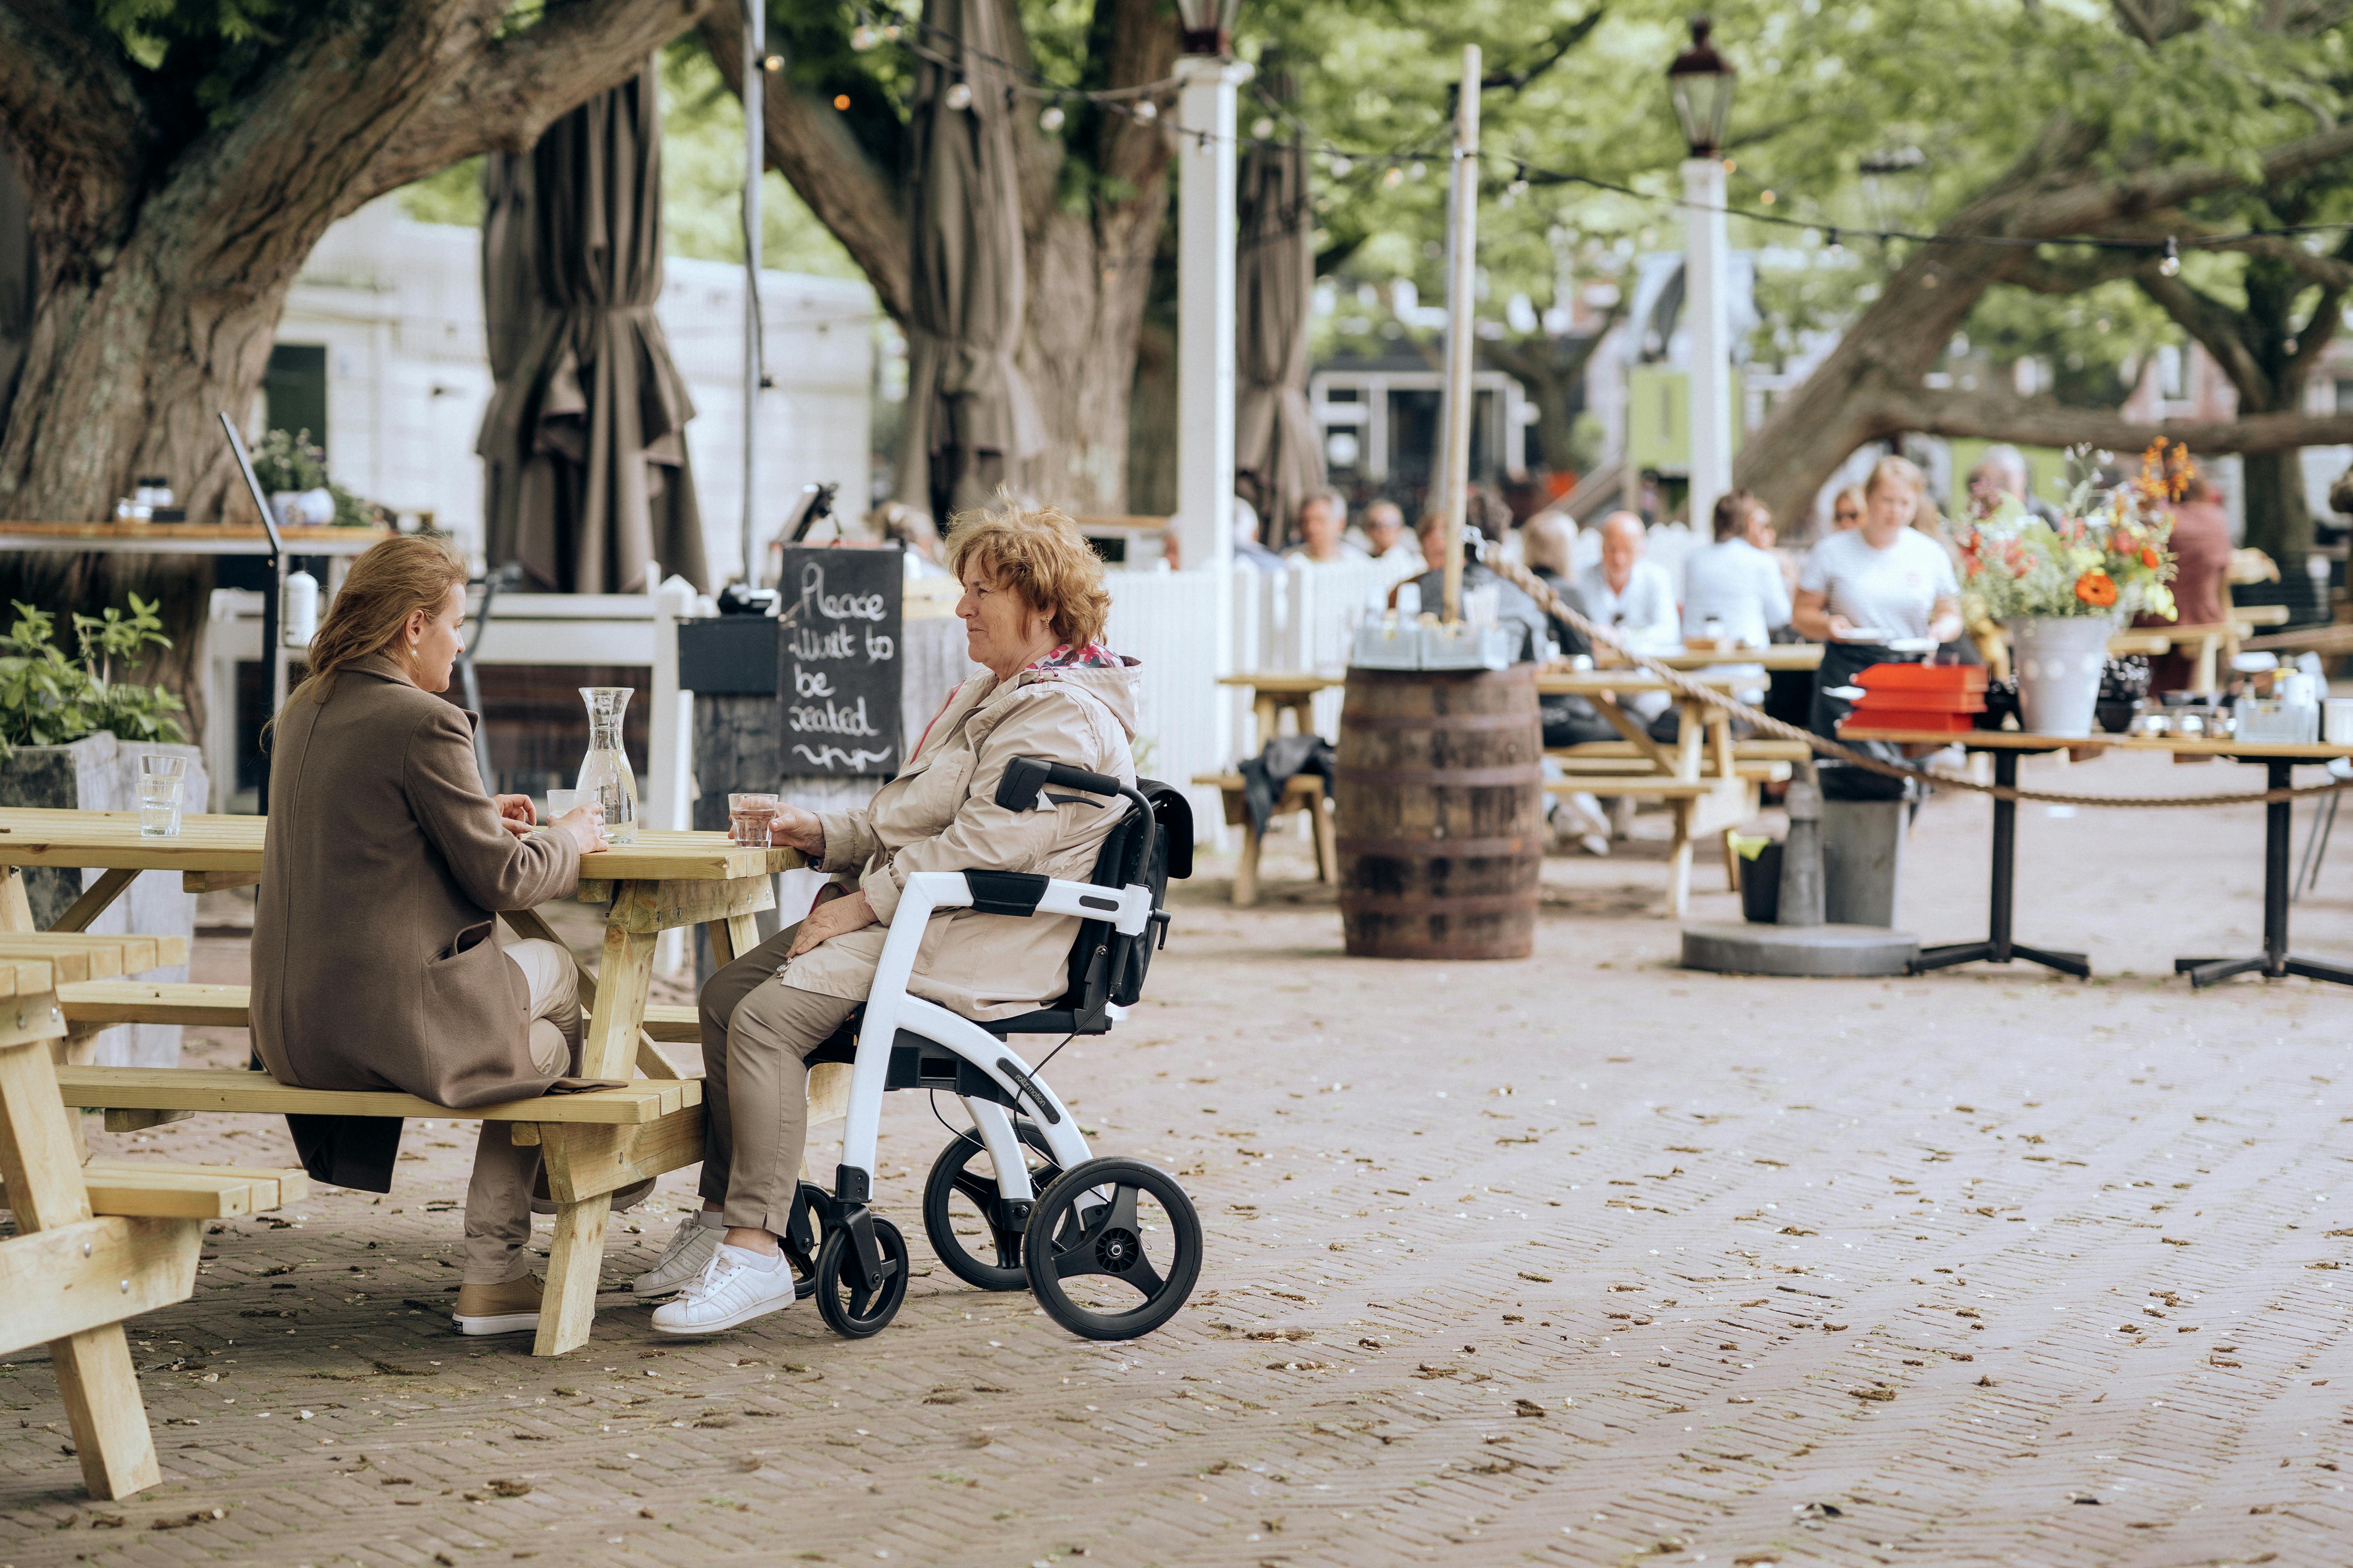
[(732, 1290), (688, 1255)]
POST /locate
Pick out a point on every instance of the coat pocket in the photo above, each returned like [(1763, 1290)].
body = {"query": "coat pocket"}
[(466, 941)]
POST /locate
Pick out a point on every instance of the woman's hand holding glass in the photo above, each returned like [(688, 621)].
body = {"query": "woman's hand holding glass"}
[(515, 813), (798, 829), (585, 825)]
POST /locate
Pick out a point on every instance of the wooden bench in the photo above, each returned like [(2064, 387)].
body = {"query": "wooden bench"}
[(75, 956), (110, 1001), (1301, 793), (96, 1244)]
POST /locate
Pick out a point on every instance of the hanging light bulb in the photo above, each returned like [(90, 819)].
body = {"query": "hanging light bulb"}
[(1417, 170), (1519, 186), (2171, 266), (1263, 127), (1836, 249), (1393, 177), (891, 31), (1146, 111), (958, 96), (1052, 119), (773, 64), (1341, 168), (862, 37)]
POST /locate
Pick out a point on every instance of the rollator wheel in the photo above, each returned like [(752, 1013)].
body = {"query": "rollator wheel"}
[(960, 1212), (852, 1306), (1114, 1248)]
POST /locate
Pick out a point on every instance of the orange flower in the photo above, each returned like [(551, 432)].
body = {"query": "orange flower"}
[(2096, 588), (2148, 557)]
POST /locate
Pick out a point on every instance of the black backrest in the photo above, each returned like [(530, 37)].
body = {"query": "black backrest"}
[(1106, 966)]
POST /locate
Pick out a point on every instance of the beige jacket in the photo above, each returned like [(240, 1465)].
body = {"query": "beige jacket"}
[(382, 861), (940, 814)]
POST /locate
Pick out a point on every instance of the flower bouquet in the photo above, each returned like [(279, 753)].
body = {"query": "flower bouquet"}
[(2062, 587)]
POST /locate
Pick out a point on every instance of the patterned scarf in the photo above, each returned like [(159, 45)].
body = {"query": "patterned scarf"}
[(1094, 656)]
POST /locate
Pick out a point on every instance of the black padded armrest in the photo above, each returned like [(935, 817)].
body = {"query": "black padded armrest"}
[(1006, 892)]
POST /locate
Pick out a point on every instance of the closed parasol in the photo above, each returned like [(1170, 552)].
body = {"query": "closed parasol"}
[(585, 436), (1278, 460), (971, 418)]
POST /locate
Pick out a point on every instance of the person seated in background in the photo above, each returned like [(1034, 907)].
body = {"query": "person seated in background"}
[(1633, 597), (1546, 544), (1846, 509), (1248, 550), (1382, 536), (1482, 532), (1734, 581), (2202, 565), (1323, 539), (1998, 475)]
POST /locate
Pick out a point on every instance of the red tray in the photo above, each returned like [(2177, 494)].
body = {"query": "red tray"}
[(1922, 677), (1909, 719)]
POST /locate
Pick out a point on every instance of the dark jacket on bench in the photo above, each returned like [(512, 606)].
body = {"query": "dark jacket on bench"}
[(382, 866)]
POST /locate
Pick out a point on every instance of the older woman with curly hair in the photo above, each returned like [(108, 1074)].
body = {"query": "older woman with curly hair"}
[(1033, 609)]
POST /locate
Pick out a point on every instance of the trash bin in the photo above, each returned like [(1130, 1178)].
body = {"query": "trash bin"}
[(1761, 886), (1862, 860)]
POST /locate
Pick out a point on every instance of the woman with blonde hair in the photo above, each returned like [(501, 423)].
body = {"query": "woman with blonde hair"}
[(1868, 586), (1033, 608), (383, 866)]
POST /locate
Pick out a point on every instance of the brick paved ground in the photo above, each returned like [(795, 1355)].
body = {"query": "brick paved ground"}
[(1583, 1260)]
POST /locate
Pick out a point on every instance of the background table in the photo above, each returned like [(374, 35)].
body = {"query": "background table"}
[(663, 881), (2007, 745)]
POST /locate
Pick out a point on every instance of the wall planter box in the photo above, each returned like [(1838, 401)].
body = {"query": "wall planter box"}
[(96, 773)]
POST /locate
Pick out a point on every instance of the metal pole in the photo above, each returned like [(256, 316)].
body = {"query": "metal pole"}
[(756, 162), (1708, 287), (1461, 280)]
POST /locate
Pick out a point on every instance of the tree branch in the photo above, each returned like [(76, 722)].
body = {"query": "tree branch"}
[(2213, 325), (74, 123), (1556, 50), (811, 146), (2074, 275), (1989, 416), (504, 92)]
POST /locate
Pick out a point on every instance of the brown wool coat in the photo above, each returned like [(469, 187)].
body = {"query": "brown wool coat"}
[(383, 863)]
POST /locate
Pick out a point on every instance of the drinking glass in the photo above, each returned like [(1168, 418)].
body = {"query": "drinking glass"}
[(560, 802), (159, 779), (750, 819)]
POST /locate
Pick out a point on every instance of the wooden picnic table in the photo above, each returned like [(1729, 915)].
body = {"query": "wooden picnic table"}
[(665, 880), (2007, 747)]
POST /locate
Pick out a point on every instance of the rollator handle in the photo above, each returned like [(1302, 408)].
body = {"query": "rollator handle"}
[(1026, 777)]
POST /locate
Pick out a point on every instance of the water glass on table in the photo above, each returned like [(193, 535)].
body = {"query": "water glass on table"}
[(559, 801), (159, 779), (750, 819)]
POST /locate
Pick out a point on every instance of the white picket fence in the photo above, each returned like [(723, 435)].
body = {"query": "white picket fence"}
[(1298, 618)]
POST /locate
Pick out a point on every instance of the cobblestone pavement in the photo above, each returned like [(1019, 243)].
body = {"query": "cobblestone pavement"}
[(1581, 1260)]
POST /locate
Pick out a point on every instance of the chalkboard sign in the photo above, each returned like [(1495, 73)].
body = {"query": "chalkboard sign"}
[(839, 662)]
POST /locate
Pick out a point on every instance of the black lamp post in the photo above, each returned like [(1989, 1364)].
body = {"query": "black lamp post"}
[(1700, 81), (1206, 25)]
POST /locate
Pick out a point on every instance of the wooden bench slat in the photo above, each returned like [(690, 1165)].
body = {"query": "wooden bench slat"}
[(141, 1189), (236, 1090), (79, 955), (156, 1001)]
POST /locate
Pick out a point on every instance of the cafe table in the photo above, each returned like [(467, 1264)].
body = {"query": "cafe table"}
[(2006, 746), (664, 880)]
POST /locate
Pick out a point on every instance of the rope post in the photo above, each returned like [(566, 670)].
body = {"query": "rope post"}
[(1461, 283), (1801, 851)]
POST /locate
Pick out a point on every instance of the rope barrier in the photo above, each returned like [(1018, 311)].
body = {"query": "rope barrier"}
[(1682, 686)]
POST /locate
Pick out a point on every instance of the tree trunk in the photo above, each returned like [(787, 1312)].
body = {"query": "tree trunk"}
[(1090, 276), (2279, 520)]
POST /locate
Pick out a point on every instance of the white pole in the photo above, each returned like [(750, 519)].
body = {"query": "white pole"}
[(1462, 284), (1706, 290), (1203, 528), (756, 162)]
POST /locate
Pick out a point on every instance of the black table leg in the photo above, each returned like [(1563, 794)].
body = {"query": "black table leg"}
[(1998, 947), (2277, 963)]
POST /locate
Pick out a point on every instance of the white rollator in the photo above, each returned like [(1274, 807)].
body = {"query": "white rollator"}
[(1111, 1246)]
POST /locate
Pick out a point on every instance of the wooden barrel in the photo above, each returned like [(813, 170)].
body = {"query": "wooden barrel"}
[(1441, 823)]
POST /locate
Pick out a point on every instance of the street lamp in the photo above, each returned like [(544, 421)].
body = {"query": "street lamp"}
[(1700, 83), (1206, 25)]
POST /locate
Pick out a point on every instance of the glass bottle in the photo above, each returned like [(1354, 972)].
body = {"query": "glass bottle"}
[(605, 772)]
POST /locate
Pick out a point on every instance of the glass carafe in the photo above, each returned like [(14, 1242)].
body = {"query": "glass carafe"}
[(605, 772)]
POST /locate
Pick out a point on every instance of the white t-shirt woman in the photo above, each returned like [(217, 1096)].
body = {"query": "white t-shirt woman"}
[(1884, 577)]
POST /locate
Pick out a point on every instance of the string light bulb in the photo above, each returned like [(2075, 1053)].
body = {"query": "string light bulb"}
[(1417, 169), (1146, 111), (2171, 266), (1519, 186), (1836, 249), (862, 37), (958, 96), (1052, 119), (1341, 168), (841, 101), (1393, 177), (1263, 127), (773, 64)]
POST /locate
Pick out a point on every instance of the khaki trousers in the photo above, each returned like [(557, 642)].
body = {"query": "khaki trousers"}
[(498, 1200), (757, 1033)]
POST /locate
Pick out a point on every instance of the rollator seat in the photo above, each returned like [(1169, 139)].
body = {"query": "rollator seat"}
[(1106, 968)]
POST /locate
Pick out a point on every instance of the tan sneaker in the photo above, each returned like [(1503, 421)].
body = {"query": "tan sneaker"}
[(509, 1308)]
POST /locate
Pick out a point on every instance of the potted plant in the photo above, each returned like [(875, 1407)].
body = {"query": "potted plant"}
[(293, 470), (2062, 587), (71, 735)]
